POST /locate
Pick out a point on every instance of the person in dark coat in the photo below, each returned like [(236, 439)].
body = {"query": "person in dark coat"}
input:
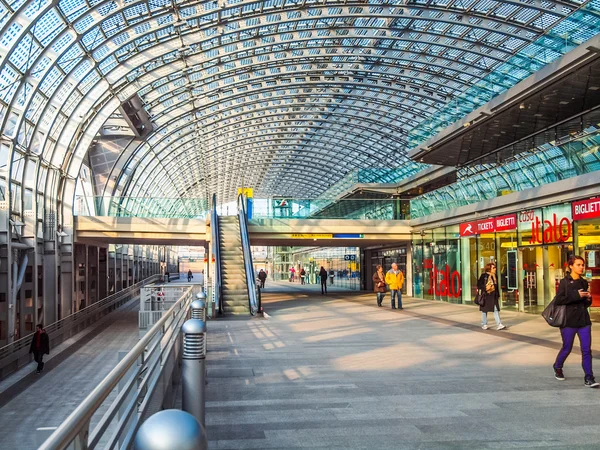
[(262, 276), (323, 276), (488, 285), (379, 284), (190, 275), (573, 292), (40, 346)]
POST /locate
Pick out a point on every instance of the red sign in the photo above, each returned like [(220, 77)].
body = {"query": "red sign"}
[(555, 230), (468, 229), (442, 281), (586, 209), (486, 226), (506, 223)]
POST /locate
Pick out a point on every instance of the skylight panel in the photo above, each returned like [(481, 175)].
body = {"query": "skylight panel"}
[(72, 8)]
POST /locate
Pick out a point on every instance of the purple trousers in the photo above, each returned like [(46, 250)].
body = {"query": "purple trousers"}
[(585, 341)]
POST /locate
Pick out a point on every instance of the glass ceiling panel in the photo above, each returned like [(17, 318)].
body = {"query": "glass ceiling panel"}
[(289, 96)]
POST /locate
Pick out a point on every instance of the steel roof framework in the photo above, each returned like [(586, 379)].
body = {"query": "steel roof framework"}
[(285, 96)]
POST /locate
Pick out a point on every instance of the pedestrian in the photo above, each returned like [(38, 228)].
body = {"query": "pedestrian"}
[(574, 294), (168, 276), (331, 275), (40, 346), (292, 274), (395, 280), (302, 275), (262, 276), (488, 285), (323, 276), (379, 284), (190, 275)]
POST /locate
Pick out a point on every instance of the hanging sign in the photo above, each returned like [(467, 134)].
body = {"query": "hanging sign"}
[(311, 236), (586, 209), (468, 229)]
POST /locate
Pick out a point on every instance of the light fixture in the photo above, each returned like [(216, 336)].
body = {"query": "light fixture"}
[(61, 234)]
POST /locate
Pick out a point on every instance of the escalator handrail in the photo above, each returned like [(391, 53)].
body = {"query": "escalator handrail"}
[(214, 229), (245, 237)]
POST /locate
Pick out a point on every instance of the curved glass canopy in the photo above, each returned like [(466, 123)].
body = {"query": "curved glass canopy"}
[(285, 96)]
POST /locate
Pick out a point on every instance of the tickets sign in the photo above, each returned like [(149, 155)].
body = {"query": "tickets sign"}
[(586, 209), (501, 223)]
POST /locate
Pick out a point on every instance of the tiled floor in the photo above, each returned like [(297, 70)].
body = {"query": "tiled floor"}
[(337, 372)]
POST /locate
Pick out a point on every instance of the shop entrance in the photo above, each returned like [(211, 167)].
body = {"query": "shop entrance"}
[(543, 268)]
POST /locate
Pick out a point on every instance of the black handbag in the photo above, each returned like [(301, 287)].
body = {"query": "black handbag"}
[(479, 298), (556, 315)]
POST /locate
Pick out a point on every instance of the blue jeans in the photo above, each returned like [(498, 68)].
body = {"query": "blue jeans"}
[(399, 294), (585, 341), (496, 316)]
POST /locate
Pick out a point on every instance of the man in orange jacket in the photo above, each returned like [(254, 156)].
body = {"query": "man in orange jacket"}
[(395, 280)]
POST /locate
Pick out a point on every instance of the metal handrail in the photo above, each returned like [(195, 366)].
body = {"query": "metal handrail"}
[(153, 349), (19, 348), (250, 280), (214, 229)]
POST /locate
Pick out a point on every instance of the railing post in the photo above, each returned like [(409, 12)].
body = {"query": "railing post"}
[(171, 429), (193, 368)]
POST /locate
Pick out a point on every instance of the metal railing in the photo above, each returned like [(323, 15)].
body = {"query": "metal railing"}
[(141, 390), (16, 354), (214, 229), (250, 279)]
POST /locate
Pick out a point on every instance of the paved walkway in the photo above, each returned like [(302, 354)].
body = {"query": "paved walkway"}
[(57, 392), (338, 372)]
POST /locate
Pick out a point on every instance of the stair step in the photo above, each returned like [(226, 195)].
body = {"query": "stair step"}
[(236, 309)]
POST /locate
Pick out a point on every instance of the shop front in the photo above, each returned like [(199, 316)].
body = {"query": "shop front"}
[(530, 249)]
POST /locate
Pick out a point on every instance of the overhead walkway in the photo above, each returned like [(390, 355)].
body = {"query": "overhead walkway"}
[(340, 373), (278, 231)]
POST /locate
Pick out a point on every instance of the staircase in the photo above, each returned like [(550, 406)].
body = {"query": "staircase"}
[(233, 274)]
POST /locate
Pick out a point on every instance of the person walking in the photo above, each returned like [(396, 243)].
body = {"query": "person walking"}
[(190, 275), (379, 284), (262, 276), (574, 294), (395, 280), (488, 285), (331, 275), (292, 274), (302, 275), (323, 276), (40, 346)]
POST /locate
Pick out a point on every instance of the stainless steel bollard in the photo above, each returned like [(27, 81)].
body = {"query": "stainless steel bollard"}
[(171, 429), (198, 308), (193, 368)]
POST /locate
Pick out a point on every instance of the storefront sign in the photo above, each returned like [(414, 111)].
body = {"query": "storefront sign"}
[(502, 223), (586, 209), (468, 229), (506, 223), (443, 282), (311, 236), (555, 227)]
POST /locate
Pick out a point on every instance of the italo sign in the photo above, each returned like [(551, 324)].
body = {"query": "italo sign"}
[(501, 223), (443, 282), (554, 228), (586, 209)]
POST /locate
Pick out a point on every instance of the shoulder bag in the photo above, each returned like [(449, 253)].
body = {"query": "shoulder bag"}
[(556, 315), (479, 298)]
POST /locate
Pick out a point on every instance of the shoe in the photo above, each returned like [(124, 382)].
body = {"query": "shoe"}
[(558, 374), (484, 327), (591, 382), (500, 327), (400, 308), (38, 371), (393, 307)]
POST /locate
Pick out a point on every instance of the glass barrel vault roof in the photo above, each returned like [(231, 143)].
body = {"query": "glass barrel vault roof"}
[(286, 96)]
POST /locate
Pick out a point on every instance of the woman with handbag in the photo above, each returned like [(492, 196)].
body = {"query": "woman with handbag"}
[(573, 293), (379, 284), (490, 294)]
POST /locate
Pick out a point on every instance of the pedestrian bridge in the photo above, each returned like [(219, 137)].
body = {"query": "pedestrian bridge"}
[(271, 231)]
